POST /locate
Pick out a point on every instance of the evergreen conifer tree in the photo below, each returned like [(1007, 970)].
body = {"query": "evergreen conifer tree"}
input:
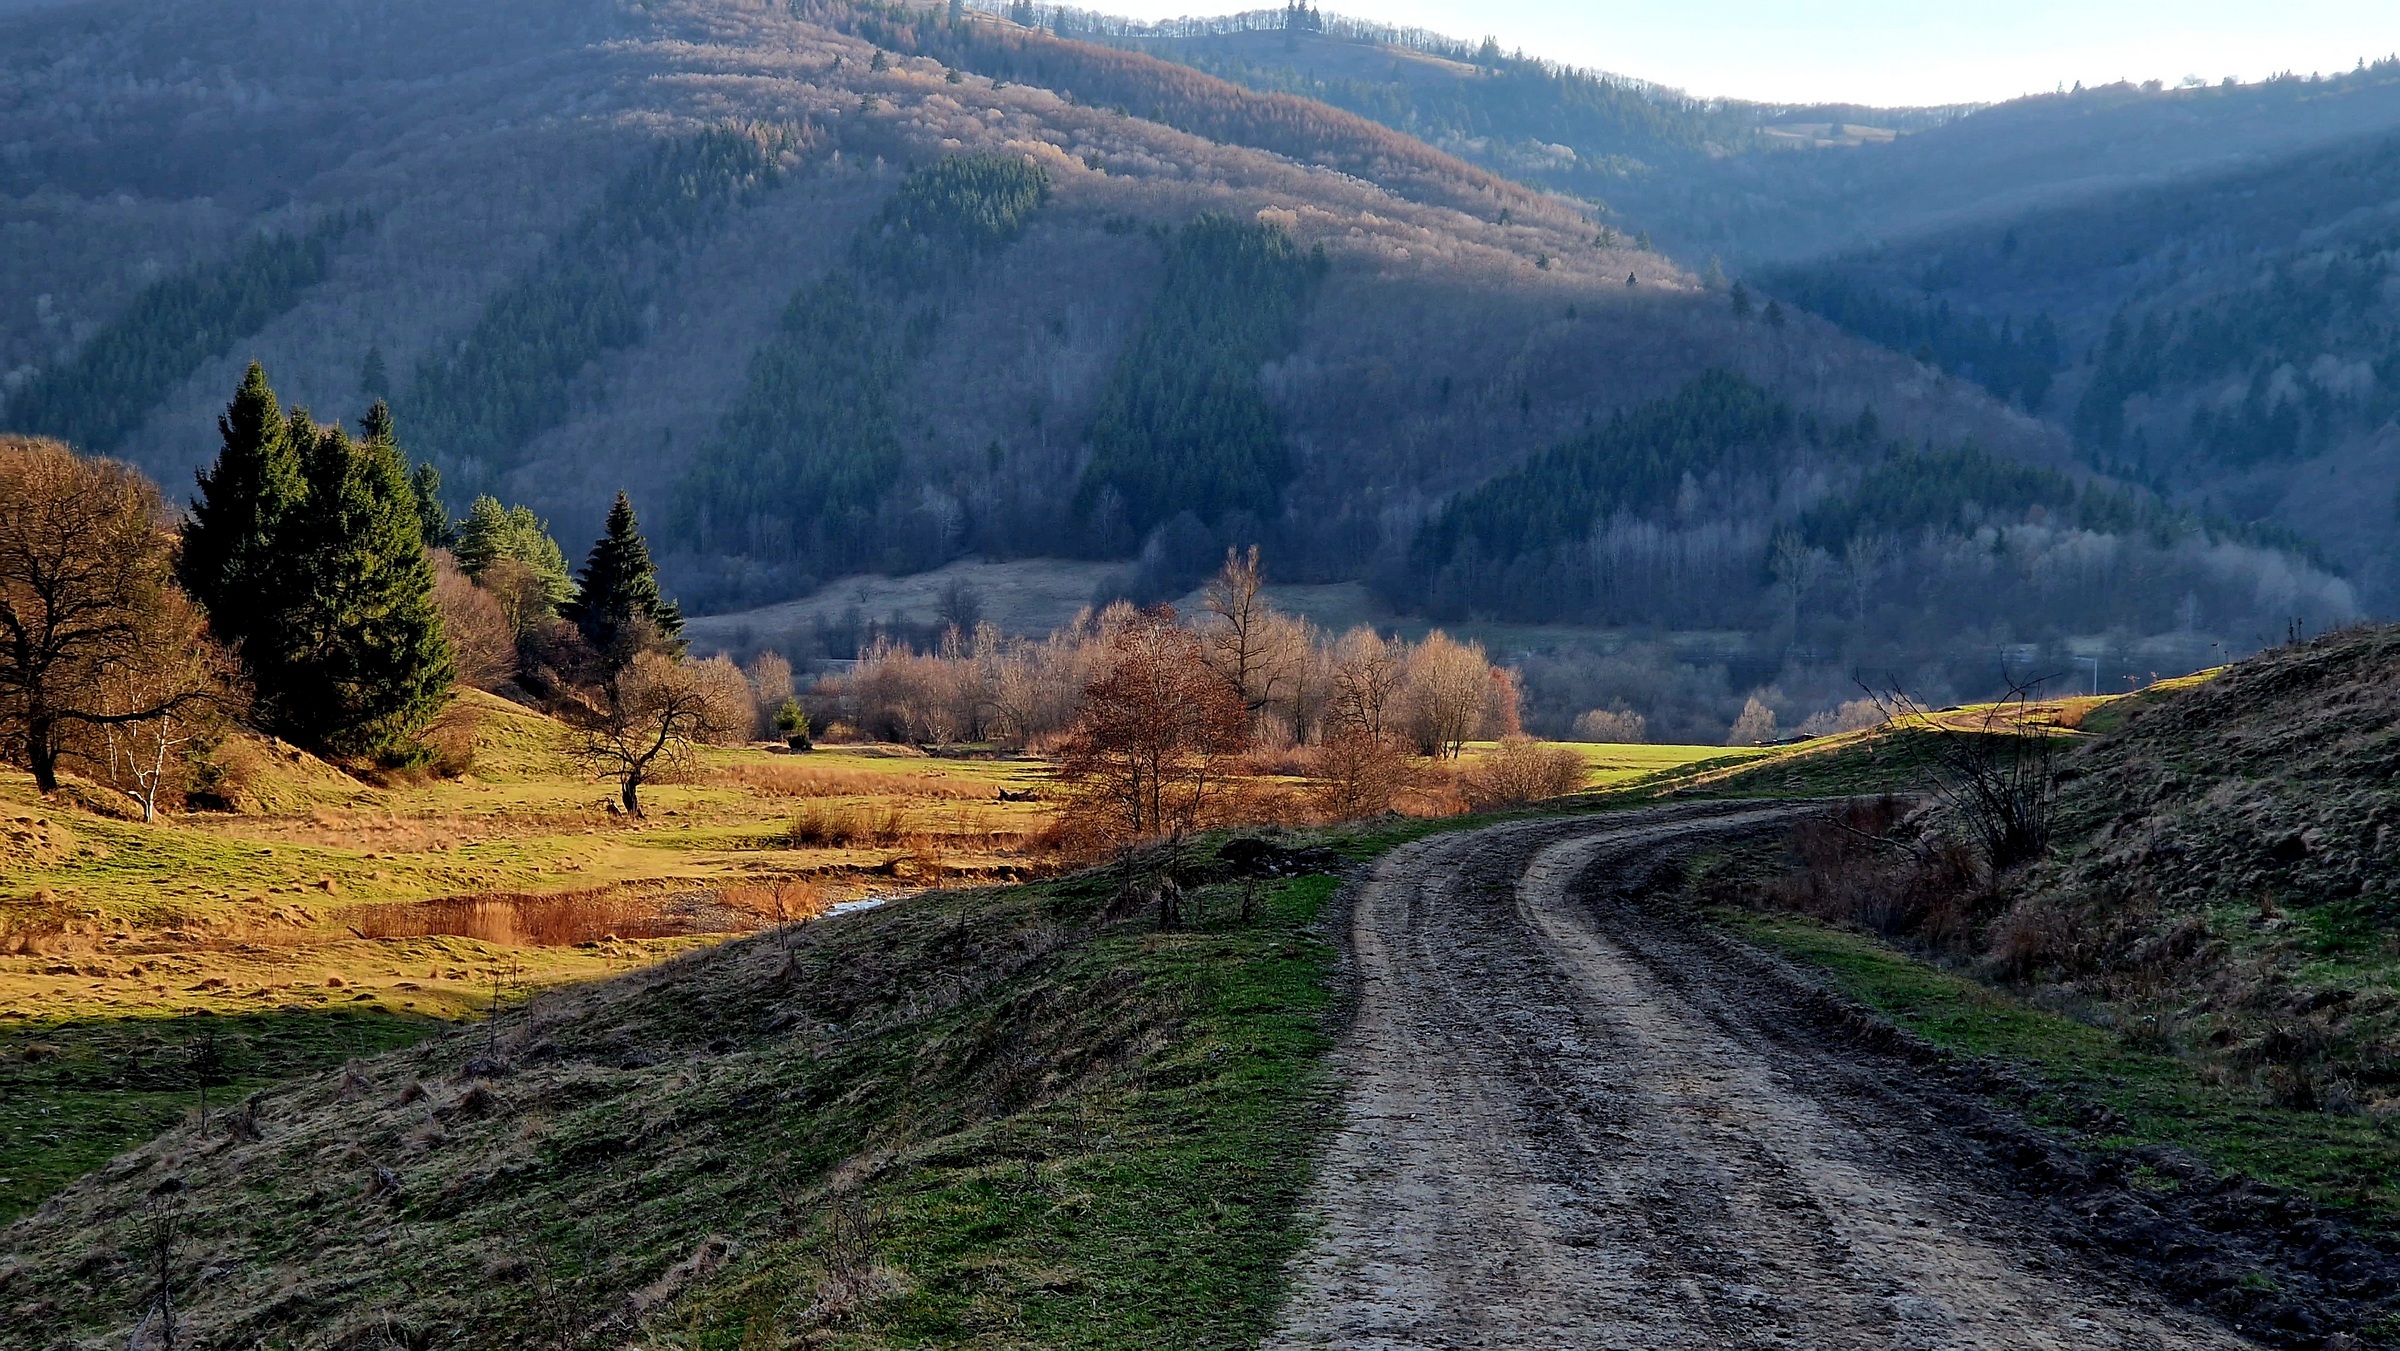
[(229, 559), (375, 378), (492, 533), (424, 481), (362, 664), (617, 603)]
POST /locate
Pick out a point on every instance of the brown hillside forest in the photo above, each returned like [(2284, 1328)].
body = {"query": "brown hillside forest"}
[(840, 289)]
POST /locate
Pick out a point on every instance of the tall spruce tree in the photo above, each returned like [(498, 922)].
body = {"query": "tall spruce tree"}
[(617, 604), (424, 481), (362, 664), (229, 559)]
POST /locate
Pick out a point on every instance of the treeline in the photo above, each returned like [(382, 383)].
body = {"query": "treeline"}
[(1156, 721), (474, 404), (1611, 124), (97, 397), (1182, 424), (1721, 508), (2308, 348), (1160, 91), (307, 596), (798, 467), (2015, 363)]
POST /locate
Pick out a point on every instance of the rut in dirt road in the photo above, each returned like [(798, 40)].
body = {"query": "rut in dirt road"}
[(1560, 1139)]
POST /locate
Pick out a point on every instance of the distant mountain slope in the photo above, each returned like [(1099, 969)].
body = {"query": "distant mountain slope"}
[(2227, 338), (671, 248), (1573, 130), (2047, 150)]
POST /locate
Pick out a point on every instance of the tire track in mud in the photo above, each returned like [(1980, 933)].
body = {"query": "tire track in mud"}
[(1553, 1140)]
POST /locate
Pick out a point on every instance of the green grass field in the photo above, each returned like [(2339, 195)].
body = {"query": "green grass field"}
[(2351, 1163)]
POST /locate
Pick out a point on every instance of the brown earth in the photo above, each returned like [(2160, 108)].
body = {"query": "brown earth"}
[(1578, 1120)]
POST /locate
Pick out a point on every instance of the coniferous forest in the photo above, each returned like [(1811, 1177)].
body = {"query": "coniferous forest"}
[(797, 466), (512, 374), (102, 395)]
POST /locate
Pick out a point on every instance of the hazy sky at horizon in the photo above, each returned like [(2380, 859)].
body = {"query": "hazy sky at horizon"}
[(1893, 51)]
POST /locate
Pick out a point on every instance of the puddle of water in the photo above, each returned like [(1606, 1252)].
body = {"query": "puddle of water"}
[(536, 921)]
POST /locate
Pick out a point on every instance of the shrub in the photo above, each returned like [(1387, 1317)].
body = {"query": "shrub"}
[(1522, 770)]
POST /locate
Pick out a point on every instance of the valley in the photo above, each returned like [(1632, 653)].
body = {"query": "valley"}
[(742, 675)]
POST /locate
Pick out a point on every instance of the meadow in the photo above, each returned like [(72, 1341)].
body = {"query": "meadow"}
[(147, 968)]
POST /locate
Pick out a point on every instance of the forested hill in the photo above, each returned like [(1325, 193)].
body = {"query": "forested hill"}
[(2226, 339), (1585, 132), (834, 286)]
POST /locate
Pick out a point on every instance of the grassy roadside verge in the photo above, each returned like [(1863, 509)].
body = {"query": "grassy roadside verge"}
[(2348, 1163), (73, 1092), (989, 1118), (1157, 1207)]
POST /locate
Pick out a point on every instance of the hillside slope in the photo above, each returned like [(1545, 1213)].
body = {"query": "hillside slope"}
[(2225, 338), (436, 164), (967, 1118)]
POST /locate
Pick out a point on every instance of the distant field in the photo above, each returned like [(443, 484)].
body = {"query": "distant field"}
[(1614, 765)]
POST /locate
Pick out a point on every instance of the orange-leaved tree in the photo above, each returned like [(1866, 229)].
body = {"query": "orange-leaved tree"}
[(1150, 750), (93, 633)]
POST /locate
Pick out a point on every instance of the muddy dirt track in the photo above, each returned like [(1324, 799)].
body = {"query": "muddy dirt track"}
[(1575, 1122)]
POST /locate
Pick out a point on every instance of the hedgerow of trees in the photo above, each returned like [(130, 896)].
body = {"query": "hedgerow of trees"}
[(97, 397), (473, 405), (797, 466)]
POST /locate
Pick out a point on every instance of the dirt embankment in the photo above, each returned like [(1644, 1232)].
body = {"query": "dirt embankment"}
[(1578, 1120)]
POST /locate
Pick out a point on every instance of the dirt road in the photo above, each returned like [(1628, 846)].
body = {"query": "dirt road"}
[(1575, 1123)]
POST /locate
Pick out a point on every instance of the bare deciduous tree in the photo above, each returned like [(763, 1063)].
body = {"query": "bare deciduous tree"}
[(145, 758), (1243, 642), (658, 711), (483, 638), (1149, 750), (1448, 687), (1367, 674)]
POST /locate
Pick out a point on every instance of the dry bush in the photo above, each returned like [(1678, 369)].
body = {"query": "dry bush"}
[(515, 918), (1433, 791), (1355, 775), (1856, 869), (451, 739), (483, 641), (1522, 770), (2039, 936), (223, 774), (831, 826)]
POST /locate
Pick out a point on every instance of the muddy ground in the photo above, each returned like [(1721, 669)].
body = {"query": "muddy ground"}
[(1578, 1118)]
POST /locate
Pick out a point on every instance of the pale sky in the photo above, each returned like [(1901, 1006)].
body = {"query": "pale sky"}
[(1893, 51)]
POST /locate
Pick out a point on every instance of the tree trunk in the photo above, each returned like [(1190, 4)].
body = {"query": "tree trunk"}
[(41, 751), (633, 795)]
